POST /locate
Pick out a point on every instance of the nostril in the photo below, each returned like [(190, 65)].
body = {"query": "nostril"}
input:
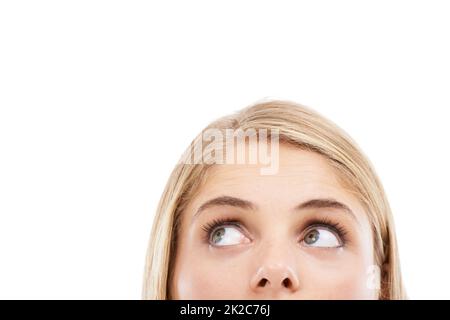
[(287, 283), (263, 282)]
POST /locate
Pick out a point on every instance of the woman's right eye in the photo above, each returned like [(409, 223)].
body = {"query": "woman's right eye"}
[(227, 236)]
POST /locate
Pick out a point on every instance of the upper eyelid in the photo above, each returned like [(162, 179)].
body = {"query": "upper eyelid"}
[(320, 222), (320, 203), (227, 224), (212, 226), (334, 224), (319, 225), (331, 225)]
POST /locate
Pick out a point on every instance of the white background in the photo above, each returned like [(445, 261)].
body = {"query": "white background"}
[(98, 99)]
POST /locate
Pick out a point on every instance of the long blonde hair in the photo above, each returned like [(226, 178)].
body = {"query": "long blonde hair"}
[(297, 125)]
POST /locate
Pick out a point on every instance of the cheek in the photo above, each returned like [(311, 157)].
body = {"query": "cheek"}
[(346, 281), (202, 279)]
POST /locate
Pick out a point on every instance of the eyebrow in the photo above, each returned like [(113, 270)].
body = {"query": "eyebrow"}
[(226, 201), (321, 203), (326, 203)]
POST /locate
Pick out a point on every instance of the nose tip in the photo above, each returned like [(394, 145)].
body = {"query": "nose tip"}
[(275, 278)]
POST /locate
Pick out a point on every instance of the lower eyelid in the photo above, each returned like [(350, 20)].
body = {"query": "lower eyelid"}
[(322, 249)]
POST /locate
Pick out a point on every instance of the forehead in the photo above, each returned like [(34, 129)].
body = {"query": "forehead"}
[(295, 167), (301, 175)]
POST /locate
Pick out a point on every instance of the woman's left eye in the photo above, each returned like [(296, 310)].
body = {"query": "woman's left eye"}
[(321, 237)]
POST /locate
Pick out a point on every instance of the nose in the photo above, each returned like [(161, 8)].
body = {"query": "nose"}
[(274, 279)]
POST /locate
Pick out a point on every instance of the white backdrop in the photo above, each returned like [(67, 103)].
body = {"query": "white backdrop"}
[(99, 98)]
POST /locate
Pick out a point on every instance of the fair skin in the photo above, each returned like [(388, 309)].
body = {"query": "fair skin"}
[(279, 244)]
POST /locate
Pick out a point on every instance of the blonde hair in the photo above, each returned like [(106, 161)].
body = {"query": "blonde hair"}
[(307, 129)]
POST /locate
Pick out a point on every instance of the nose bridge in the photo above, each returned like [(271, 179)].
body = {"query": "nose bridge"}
[(275, 268)]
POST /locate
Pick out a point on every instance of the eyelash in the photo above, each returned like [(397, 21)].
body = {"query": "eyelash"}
[(335, 227)]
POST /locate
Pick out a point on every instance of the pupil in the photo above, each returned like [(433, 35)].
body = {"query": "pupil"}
[(218, 234), (312, 237)]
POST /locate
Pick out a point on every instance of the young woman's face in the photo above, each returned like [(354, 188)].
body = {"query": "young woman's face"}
[(293, 235)]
